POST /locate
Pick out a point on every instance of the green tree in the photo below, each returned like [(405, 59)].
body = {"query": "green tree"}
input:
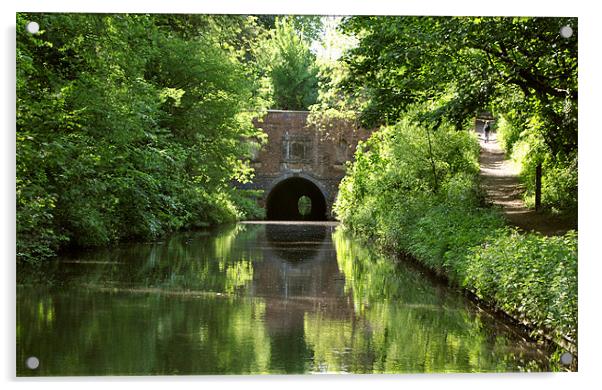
[(129, 127), (290, 66), (468, 63), (519, 68), (392, 196), (309, 27), (335, 101)]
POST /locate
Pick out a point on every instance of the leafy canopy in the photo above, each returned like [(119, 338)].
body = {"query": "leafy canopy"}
[(130, 126), (290, 66), (467, 64)]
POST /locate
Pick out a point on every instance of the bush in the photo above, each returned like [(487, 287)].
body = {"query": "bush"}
[(246, 203), (510, 126), (128, 128), (532, 277), (393, 196), (520, 137)]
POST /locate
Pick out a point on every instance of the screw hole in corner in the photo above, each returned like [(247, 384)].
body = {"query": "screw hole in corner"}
[(32, 27), (32, 362), (566, 31), (566, 358)]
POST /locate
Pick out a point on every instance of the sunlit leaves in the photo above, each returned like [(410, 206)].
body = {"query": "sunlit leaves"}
[(290, 66), (403, 60), (388, 198), (133, 124)]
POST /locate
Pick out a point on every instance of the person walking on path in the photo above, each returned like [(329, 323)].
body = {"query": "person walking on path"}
[(486, 129)]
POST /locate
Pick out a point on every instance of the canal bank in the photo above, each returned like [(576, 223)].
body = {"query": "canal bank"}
[(418, 192), (556, 346), (527, 280)]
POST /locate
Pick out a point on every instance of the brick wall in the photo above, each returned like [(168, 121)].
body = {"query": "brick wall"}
[(295, 148)]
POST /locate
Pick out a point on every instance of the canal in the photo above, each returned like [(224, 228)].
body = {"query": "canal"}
[(254, 298)]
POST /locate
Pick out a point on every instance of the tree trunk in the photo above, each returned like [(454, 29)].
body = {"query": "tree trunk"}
[(538, 187)]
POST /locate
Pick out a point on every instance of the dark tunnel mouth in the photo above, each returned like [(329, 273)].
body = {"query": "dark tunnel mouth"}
[(282, 202)]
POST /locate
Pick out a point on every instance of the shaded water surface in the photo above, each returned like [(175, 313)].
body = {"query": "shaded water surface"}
[(253, 298)]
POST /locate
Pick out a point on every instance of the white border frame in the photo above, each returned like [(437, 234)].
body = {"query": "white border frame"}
[(589, 143)]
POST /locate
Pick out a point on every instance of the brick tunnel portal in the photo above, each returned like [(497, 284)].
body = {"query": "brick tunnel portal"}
[(282, 202), (301, 160)]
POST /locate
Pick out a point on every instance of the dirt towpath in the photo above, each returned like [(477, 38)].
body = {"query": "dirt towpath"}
[(500, 181)]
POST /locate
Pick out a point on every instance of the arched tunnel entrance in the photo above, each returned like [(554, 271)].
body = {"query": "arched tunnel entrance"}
[(288, 200)]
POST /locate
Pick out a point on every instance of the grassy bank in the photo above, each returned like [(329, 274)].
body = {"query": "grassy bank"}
[(415, 191)]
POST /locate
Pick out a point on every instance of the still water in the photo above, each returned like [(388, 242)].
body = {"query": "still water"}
[(251, 299)]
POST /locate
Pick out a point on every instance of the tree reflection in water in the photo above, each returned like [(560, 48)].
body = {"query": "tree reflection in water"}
[(254, 298)]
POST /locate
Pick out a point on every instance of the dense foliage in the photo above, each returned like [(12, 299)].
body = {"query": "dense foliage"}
[(416, 191), (398, 297), (308, 27), (284, 56), (130, 126), (517, 132), (520, 68), (529, 276), (335, 101)]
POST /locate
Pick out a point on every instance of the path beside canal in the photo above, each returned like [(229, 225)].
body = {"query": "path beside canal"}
[(499, 179)]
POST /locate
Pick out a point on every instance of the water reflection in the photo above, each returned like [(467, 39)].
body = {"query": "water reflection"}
[(253, 298), (296, 277)]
